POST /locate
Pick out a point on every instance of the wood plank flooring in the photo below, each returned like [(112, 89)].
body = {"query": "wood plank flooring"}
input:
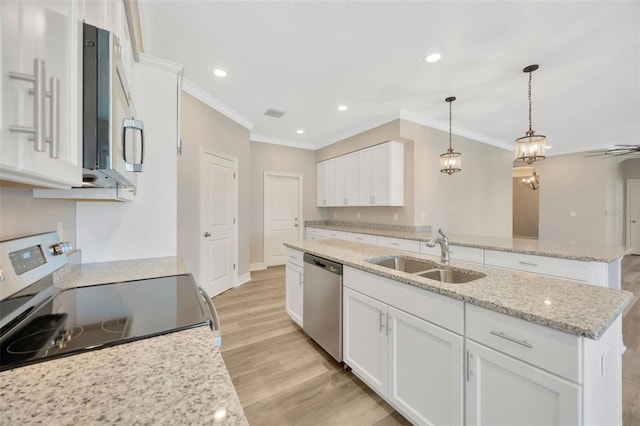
[(283, 378)]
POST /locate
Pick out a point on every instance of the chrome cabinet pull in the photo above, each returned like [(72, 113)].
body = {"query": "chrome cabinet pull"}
[(40, 93), (54, 118), (38, 80), (512, 339), (528, 263), (381, 324), (468, 364)]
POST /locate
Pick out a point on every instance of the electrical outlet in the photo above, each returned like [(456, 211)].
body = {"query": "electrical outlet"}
[(60, 229), (422, 217), (358, 215), (335, 214), (395, 216), (573, 214)]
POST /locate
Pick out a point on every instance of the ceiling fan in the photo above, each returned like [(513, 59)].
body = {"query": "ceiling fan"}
[(622, 149)]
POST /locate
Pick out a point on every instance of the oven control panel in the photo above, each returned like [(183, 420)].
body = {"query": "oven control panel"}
[(25, 260)]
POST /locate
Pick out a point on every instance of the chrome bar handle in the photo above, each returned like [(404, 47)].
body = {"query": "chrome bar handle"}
[(39, 107), (54, 116), (512, 339), (39, 92), (215, 323)]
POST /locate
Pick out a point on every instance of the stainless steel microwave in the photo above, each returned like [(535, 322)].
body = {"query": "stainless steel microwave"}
[(112, 137)]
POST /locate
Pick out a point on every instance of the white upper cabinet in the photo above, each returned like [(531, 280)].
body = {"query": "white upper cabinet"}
[(326, 175), (382, 175), (348, 180), (40, 130), (369, 177)]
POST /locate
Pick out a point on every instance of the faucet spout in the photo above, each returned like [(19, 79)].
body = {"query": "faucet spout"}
[(444, 246)]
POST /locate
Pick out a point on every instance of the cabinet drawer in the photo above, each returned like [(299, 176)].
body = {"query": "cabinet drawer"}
[(435, 308), (338, 235), (548, 349), (563, 268), (295, 257), (362, 238), (399, 243), (468, 254)]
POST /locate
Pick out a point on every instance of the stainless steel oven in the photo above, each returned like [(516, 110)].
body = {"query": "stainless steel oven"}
[(39, 321)]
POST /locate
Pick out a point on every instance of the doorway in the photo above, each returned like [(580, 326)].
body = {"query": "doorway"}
[(282, 214), (633, 215), (218, 228), (526, 202)]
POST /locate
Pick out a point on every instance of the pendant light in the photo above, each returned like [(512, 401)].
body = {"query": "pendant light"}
[(532, 182), (450, 161), (530, 147)]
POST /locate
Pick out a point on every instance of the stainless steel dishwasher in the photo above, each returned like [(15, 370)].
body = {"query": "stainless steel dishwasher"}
[(322, 305)]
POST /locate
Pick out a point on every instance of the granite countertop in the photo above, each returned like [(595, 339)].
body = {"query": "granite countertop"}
[(176, 378), (560, 249), (572, 307)]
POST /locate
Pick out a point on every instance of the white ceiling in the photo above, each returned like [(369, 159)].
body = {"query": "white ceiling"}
[(309, 57)]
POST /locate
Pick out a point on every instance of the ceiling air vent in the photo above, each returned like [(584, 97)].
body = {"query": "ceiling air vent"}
[(274, 112)]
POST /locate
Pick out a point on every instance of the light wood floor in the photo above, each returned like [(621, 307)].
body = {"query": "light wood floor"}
[(283, 378)]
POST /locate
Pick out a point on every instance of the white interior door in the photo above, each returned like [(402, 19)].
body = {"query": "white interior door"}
[(217, 223), (282, 214), (633, 215)]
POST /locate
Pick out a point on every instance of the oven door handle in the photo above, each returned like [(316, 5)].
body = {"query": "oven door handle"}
[(215, 323)]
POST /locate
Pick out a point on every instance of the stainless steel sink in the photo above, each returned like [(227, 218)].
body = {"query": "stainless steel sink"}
[(427, 269), (451, 276), (404, 264)]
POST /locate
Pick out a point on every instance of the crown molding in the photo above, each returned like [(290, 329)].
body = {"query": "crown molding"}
[(162, 64), (215, 103), (417, 118), (284, 142)]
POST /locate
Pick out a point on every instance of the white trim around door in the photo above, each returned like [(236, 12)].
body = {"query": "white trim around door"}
[(279, 213), (632, 215)]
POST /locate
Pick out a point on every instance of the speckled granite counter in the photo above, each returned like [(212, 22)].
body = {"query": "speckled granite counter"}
[(564, 250), (177, 378), (568, 306)]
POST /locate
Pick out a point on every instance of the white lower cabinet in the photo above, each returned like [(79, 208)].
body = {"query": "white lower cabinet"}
[(415, 365), (365, 338), (294, 286), (504, 391), (425, 370)]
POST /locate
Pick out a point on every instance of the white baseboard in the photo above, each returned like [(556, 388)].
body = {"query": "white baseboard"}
[(243, 279), (257, 266)]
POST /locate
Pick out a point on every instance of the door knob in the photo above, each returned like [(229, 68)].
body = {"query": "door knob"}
[(207, 234)]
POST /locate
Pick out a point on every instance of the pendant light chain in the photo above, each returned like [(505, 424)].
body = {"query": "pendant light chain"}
[(450, 126), (530, 76)]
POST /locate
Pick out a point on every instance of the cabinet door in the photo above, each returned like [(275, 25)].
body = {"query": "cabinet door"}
[(366, 176), (425, 370), (326, 183), (44, 30), (504, 391), (353, 179), (381, 174), (342, 197), (365, 339), (294, 285)]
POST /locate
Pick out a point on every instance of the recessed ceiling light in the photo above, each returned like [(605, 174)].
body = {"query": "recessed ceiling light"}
[(299, 131), (342, 108), (220, 72), (549, 147), (434, 57)]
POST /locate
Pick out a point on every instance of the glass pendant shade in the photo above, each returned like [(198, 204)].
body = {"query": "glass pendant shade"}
[(450, 162), (531, 148)]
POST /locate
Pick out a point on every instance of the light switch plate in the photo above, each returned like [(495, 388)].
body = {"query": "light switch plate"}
[(60, 229)]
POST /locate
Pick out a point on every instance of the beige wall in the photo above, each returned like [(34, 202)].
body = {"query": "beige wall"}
[(21, 214), (276, 158), (525, 210), (477, 200), (204, 128), (375, 136), (592, 187)]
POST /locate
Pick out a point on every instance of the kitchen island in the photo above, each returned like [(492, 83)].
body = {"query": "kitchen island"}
[(176, 378), (509, 347)]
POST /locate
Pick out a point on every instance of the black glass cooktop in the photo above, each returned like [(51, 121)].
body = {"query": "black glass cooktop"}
[(89, 318)]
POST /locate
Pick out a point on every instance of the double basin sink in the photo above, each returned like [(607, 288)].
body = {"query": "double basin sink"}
[(427, 269)]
